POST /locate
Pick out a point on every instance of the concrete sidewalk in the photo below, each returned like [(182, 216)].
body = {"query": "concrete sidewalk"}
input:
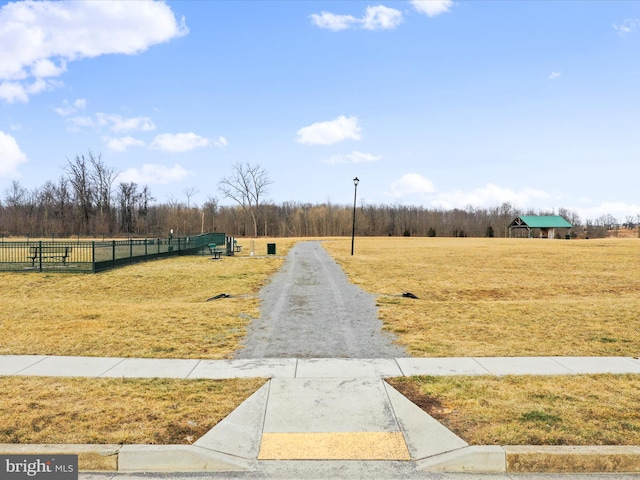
[(43, 365), (328, 409)]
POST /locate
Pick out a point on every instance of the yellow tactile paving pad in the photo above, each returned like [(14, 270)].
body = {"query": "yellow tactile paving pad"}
[(334, 446)]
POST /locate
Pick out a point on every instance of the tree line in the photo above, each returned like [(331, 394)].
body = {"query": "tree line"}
[(87, 201)]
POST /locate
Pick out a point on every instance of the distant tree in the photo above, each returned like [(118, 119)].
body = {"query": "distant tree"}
[(102, 177), (209, 209), (128, 199), (570, 216), (431, 232), (15, 199), (144, 200), (190, 192), (80, 178), (246, 186), (490, 232)]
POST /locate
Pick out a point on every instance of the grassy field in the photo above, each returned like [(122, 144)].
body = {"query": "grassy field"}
[(476, 297), (116, 411), (502, 297), (152, 309), (156, 309), (532, 410)]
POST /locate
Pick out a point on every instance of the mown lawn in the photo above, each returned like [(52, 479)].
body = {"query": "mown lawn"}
[(532, 410), (477, 297), (502, 297), (157, 309)]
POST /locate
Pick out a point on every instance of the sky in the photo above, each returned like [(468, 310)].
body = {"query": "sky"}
[(438, 103)]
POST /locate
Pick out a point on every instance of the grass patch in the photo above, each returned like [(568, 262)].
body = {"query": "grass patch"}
[(115, 411), (502, 297), (532, 410), (152, 309)]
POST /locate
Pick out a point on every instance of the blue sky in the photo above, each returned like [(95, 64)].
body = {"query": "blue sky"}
[(437, 103)]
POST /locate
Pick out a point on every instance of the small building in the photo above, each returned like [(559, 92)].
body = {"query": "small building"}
[(547, 224)]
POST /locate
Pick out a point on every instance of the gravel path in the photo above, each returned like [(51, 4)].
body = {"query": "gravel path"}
[(310, 310)]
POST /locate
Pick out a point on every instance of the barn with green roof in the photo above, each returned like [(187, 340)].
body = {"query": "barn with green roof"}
[(546, 224)]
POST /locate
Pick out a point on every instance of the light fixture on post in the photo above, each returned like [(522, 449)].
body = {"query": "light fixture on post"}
[(353, 231)]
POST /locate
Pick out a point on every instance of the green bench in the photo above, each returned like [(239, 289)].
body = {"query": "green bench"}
[(215, 251), (56, 252)]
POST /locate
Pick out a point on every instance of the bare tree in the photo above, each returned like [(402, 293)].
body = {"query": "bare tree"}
[(62, 204), (189, 193), (102, 178), (145, 199), (211, 207), (15, 198), (570, 216), (80, 178), (128, 199), (246, 186)]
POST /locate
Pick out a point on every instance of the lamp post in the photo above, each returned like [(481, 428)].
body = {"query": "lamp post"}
[(353, 231)]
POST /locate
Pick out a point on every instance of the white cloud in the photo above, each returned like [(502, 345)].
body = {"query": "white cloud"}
[(381, 18), (619, 210), (554, 75), (12, 92), (332, 131), (121, 144), (221, 142), (179, 142), (114, 122), (488, 196), (627, 26), (332, 21), (411, 183), (117, 123), (69, 109), (354, 157), (374, 18), (432, 8), (151, 174), (40, 38), (10, 155), (46, 68)]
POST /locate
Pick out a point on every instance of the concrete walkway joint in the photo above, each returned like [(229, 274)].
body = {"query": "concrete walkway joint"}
[(328, 409)]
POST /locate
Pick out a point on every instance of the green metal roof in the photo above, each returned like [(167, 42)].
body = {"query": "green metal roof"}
[(541, 221)]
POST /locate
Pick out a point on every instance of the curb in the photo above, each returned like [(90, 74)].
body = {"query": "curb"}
[(91, 458), (472, 459), (573, 459)]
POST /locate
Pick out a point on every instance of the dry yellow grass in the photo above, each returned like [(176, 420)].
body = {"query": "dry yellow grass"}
[(502, 297), (477, 297), (115, 411), (532, 410), (153, 309)]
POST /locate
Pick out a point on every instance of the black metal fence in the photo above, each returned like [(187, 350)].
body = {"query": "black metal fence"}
[(97, 256)]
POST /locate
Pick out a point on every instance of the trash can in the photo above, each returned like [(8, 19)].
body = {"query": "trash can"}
[(271, 248)]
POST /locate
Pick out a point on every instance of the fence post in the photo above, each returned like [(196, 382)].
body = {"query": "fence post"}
[(130, 251), (113, 253), (93, 256), (40, 254)]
